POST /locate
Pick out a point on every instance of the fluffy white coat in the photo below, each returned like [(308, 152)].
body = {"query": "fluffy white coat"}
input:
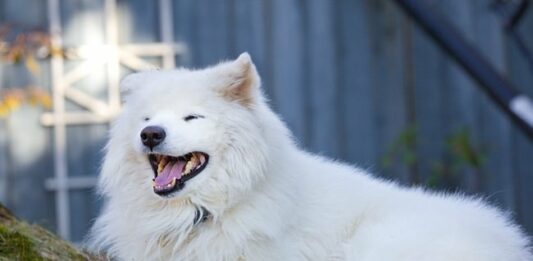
[(267, 199)]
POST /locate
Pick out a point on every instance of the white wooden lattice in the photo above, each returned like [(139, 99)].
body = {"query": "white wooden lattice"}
[(97, 111)]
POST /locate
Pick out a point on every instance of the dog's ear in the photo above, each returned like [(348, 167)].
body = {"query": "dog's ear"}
[(131, 82), (241, 81)]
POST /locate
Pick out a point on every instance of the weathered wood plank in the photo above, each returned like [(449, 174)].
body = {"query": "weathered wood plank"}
[(323, 94), (522, 147), (138, 21), (212, 42), (387, 79), (84, 206), (462, 95), (430, 83), (495, 128), (357, 131), (184, 29), (27, 14), (289, 91), (249, 34)]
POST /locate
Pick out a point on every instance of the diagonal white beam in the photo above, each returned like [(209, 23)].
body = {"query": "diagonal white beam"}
[(134, 62), (87, 101), (82, 70)]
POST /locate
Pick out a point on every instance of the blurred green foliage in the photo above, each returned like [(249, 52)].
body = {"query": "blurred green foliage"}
[(460, 156)]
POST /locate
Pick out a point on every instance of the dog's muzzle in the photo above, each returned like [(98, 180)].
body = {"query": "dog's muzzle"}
[(171, 173)]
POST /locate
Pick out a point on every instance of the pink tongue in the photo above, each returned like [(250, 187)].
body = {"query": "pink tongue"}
[(172, 170)]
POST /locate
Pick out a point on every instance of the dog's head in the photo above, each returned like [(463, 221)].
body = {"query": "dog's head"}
[(189, 134)]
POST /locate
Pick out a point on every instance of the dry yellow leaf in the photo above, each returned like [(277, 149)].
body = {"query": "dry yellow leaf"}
[(11, 102), (4, 110), (32, 64)]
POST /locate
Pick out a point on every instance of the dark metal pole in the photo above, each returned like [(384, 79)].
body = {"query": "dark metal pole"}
[(518, 106), (512, 19)]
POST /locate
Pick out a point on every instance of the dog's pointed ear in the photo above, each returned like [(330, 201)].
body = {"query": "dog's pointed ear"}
[(242, 81), (131, 82)]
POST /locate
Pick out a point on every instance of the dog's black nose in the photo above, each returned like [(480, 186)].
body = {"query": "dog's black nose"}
[(152, 136)]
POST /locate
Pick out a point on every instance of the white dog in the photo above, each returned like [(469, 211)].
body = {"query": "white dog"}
[(198, 167)]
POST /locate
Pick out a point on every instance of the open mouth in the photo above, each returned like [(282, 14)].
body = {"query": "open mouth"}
[(171, 172)]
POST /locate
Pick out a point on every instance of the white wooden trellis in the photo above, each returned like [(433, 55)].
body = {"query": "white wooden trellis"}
[(97, 111)]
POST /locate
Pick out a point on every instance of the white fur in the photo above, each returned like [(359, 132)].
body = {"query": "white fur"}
[(268, 199)]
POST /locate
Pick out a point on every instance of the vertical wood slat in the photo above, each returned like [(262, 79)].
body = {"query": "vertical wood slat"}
[(287, 54), (387, 79), (430, 85), (249, 34), (495, 128), (132, 28), (357, 124), (462, 94), (321, 78), (184, 28), (522, 147), (25, 13), (212, 23)]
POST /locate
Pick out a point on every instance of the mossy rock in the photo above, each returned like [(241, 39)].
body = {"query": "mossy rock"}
[(22, 241)]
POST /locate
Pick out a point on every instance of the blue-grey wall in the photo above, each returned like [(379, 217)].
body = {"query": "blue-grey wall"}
[(349, 77)]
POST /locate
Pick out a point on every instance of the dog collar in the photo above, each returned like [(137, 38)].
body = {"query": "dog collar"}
[(201, 216)]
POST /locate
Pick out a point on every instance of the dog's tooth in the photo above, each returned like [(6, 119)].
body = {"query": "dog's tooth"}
[(194, 160), (162, 164), (201, 159), (193, 157), (188, 167)]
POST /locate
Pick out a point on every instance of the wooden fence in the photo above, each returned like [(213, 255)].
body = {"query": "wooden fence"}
[(354, 79)]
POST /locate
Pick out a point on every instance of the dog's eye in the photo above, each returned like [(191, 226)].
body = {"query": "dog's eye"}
[(146, 118), (192, 117)]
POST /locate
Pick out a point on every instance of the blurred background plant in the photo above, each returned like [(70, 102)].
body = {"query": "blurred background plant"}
[(462, 156), (13, 98), (20, 46)]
